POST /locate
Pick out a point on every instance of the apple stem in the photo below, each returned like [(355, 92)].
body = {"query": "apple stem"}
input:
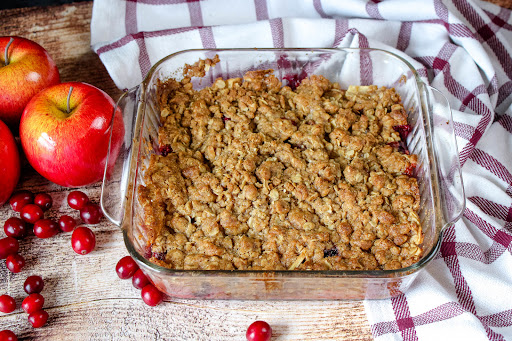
[(7, 49), (69, 96)]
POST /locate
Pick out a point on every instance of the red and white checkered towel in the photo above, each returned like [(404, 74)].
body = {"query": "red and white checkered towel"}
[(463, 48)]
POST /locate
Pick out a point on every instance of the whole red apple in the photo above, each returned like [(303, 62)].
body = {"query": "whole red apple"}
[(9, 163), (25, 69), (65, 131)]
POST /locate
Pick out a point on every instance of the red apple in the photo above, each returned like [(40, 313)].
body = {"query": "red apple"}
[(65, 134), (25, 69), (9, 164)]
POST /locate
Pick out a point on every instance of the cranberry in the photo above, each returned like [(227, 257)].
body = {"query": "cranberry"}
[(151, 295), (403, 130), (8, 246), (259, 331), (43, 200), (77, 199), (15, 262), (7, 335), (7, 304), (295, 80), (15, 227), (38, 318), (126, 267), (32, 303), (20, 199), (139, 279), (67, 223), (331, 252), (33, 284), (31, 213), (91, 213), (400, 146), (83, 240), (165, 149), (410, 170), (159, 255), (45, 228)]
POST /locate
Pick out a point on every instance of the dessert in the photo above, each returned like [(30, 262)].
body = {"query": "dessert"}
[(253, 175)]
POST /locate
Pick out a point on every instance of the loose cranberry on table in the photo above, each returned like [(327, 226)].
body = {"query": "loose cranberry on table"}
[(67, 223), (31, 213), (46, 228), (15, 262), (77, 199), (83, 240), (151, 295), (259, 331), (32, 303), (38, 318), (15, 227), (19, 199), (91, 213), (43, 200), (7, 335), (8, 246), (7, 304), (139, 279), (126, 267), (33, 284)]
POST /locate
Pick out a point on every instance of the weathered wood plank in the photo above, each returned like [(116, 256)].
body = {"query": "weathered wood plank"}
[(116, 319)]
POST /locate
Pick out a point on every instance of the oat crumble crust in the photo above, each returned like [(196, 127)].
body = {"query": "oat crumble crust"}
[(255, 175)]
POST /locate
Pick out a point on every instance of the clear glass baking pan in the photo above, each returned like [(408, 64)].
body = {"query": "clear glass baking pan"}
[(432, 139)]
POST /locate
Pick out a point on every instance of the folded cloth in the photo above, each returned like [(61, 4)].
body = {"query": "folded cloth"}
[(460, 47)]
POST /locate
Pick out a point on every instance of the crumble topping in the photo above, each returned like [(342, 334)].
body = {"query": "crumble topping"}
[(251, 174)]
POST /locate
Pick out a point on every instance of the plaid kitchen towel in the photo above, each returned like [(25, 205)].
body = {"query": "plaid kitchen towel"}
[(463, 48)]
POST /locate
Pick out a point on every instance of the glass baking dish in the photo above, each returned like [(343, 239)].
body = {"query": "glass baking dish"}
[(432, 139)]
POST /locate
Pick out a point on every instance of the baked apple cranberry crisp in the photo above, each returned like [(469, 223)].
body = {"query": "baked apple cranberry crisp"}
[(251, 174)]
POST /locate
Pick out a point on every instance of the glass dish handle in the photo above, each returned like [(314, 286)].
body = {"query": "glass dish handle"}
[(446, 152), (114, 188)]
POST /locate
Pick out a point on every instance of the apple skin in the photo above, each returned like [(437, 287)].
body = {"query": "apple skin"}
[(71, 149), (30, 70), (10, 166)]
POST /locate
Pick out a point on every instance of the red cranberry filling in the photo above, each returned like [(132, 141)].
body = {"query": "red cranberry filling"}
[(401, 146), (159, 255), (165, 149), (331, 252), (403, 130)]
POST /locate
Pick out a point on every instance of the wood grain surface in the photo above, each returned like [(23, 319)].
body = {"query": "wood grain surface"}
[(84, 297)]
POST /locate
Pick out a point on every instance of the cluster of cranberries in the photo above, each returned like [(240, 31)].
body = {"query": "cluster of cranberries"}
[(126, 268), (31, 219), (83, 240), (32, 305), (31, 209)]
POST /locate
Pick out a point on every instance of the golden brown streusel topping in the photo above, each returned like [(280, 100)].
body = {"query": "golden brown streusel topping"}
[(255, 175), (199, 68)]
